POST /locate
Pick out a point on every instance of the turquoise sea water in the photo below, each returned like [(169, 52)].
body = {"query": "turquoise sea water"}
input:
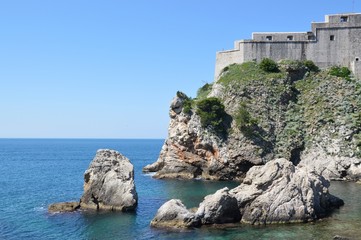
[(37, 172)]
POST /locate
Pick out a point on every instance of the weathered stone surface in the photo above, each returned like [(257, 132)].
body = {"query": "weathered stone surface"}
[(173, 214), (193, 152), (220, 207), (332, 167), (64, 207), (109, 183), (279, 192)]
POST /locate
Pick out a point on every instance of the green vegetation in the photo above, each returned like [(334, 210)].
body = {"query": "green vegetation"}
[(338, 71), (212, 114), (246, 72), (268, 65), (204, 91), (244, 120), (311, 66), (188, 105), (188, 102)]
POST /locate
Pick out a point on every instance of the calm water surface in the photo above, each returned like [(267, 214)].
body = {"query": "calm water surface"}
[(37, 172)]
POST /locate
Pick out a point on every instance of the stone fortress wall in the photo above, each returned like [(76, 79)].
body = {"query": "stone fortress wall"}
[(337, 41)]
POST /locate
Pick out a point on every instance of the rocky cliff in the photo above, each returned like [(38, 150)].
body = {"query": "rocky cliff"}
[(295, 113)]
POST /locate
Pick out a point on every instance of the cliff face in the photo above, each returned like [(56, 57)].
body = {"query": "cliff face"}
[(313, 118)]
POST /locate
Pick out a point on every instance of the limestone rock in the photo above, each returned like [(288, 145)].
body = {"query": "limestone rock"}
[(193, 152), (279, 192), (109, 183), (173, 214), (220, 207), (64, 207)]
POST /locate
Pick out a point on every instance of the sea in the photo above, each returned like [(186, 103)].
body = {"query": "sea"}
[(37, 172)]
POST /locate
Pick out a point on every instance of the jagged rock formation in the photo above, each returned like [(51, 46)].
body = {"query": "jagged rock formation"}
[(277, 192), (314, 118), (108, 185)]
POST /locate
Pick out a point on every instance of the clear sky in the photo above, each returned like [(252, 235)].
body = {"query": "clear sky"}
[(109, 69)]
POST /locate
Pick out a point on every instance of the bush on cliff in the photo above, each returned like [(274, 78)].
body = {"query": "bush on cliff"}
[(338, 71), (188, 102), (212, 114), (268, 65), (311, 66), (204, 91), (244, 120)]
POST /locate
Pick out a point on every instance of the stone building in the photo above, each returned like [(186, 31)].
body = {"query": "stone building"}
[(337, 41)]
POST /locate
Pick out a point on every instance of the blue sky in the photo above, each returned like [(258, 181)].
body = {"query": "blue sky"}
[(109, 69)]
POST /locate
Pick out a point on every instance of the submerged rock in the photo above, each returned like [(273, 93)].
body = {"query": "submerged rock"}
[(277, 192), (64, 207), (109, 183)]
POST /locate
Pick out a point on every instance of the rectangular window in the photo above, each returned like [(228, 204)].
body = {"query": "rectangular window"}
[(269, 38), (310, 37), (344, 19), (332, 37), (289, 38)]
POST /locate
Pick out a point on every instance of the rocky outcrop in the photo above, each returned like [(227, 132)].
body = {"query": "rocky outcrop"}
[(220, 207), (312, 118), (277, 192), (191, 151), (108, 185), (173, 214)]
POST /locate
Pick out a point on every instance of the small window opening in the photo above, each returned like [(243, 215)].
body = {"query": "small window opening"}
[(310, 37), (269, 38), (344, 19), (357, 59), (332, 38), (289, 38)]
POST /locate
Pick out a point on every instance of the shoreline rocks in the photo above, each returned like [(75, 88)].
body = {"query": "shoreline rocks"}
[(277, 192), (108, 185)]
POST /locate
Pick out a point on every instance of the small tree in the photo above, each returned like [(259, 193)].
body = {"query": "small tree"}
[(244, 120), (212, 114), (268, 65)]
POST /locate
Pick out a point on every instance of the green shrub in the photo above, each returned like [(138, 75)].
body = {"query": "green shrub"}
[(244, 120), (188, 102), (268, 65), (338, 71), (204, 91), (212, 114), (188, 105), (312, 67)]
